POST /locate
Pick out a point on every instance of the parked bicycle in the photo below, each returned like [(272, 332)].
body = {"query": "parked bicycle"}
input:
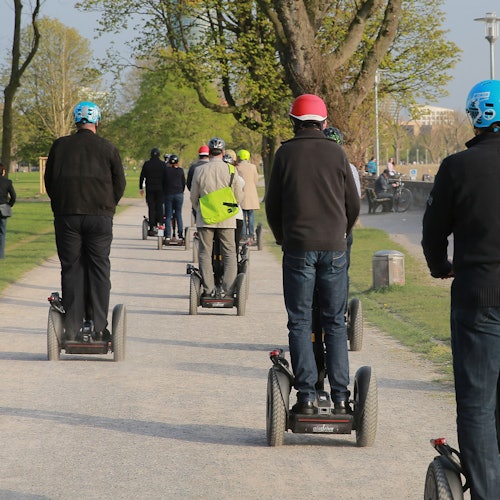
[(403, 198)]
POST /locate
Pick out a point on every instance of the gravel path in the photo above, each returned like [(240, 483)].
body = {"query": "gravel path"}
[(184, 415)]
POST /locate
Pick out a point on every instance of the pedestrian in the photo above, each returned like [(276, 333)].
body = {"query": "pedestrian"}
[(173, 190), (208, 178), (7, 200), (84, 179), (371, 166), (311, 205), (250, 202), (152, 178), (464, 202)]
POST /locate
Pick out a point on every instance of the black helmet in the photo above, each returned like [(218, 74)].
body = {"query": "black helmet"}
[(334, 134), (173, 159), (155, 152)]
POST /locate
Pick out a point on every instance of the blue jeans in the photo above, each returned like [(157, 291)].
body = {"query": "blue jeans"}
[(302, 271), (248, 223), (475, 341), (173, 206), (3, 231)]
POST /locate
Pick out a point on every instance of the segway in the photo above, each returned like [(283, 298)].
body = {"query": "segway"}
[(362, 420), (239, 297), (88, 341), (145, 228), (446, 478), (163, 241)]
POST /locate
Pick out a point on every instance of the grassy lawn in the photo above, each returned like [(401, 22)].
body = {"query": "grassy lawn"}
[(417, 314)]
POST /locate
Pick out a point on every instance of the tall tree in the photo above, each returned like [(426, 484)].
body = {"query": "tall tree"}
[(17, 67), (59, 76), (264, 52)]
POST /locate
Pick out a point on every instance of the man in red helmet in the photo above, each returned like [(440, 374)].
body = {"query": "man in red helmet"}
[(203, 157), (312, 204)]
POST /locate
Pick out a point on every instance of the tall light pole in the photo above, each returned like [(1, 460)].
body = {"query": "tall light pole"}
[(377, 140), (491, 34)]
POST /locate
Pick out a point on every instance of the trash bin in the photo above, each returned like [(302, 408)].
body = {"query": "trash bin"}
[(388, 268)]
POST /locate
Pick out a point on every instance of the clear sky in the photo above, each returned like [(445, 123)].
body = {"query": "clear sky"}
[(460, 14)]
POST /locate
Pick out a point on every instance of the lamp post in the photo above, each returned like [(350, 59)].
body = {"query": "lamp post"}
[(491, 34), (377, 141)]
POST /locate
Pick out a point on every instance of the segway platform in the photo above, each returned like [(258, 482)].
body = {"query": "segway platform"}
[(88, 341)]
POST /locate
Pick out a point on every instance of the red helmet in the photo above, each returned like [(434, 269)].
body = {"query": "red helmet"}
[(203, 151), (309, 107)]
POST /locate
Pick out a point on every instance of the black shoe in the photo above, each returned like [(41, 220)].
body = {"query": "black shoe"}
[(342, 408), (151, 233), (304, 407)]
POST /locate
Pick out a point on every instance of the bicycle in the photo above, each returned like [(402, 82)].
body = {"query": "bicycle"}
[(402, 197)]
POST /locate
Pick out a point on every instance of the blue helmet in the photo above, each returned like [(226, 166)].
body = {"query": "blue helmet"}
[(87, 112), (483, 103), (334, 134)]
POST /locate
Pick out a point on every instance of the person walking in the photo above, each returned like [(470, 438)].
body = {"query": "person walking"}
[(209, 178), (311, 205), (464, 202), (250, 202), (153, 177), (173, 189), (84, 179), (7, 198)]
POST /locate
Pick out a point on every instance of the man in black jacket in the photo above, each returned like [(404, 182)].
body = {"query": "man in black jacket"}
[(312, 204), (153, 177), (465, 202), (7, 197), (84, 179)]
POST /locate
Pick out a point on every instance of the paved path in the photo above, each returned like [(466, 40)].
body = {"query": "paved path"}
[(184, 415)]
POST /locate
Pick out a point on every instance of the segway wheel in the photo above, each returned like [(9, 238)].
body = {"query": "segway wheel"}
[(118, 332), (275, 411), (187, 238), (196, 249), (258, 234), (241, 294), (54, 333), (355, 325), (145, 228), (365, 406), (441, 482), (194, 294)]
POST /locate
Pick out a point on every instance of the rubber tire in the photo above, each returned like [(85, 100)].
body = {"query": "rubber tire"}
[(241, 289), (497, 415), (194, 294), (404, 201), (187, 241), (258, 233), (365, 406), (196, 250), (275, 410), (119, 332), (442, 483), (355, 325), (160, 242), (145, 229), (55, 328)]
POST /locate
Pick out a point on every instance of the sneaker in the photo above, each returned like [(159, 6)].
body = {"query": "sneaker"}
[(304, 408), (342, 408)]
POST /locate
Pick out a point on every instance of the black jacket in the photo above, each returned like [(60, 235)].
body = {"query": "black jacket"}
[(311, 201), (175, 182), (7, 191), (84, 175), (153, 172), (465, 202)]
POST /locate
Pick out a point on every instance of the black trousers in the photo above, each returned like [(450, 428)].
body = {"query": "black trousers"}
[(154, 199), (83, 245)]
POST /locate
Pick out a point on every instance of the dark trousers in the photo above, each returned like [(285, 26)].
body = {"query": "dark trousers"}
[(154, 199), (475, 342), (83, 245)]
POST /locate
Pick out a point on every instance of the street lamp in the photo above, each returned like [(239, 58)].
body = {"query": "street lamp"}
[(491, 34), (377, 137)]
